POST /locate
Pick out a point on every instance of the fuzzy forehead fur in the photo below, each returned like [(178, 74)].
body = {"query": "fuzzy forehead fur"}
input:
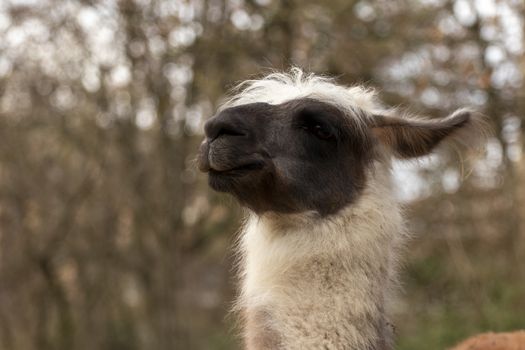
[(277, 88)]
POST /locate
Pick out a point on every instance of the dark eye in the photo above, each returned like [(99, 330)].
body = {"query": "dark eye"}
[(309, 120), (320, 131)]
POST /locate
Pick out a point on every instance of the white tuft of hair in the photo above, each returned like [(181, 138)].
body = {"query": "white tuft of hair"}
[(277, 88)]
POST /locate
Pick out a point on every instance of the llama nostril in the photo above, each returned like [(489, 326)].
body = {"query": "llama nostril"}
[(227, 123), (215, 130), (226, 130)]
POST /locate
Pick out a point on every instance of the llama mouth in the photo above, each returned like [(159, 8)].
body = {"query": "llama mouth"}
[(238, 170)]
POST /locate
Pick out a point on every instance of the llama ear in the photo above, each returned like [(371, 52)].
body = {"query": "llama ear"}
[(409, 138)]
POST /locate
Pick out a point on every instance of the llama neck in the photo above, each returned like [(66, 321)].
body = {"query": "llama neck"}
[(312, 283)]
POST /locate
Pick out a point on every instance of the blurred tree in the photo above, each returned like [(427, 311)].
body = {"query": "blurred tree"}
[(108, 237)]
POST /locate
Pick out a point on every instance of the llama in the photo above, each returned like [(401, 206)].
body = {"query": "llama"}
[(494, 341), (320, 248)]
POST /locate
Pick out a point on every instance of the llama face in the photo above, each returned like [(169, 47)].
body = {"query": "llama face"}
[(290, 143), (296, 156)]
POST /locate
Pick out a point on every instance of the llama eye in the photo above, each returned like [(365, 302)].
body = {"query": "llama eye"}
[(321, 131), (309, 121)]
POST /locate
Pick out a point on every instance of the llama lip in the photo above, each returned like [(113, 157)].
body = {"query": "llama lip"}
[(203, 161), (238, 170)]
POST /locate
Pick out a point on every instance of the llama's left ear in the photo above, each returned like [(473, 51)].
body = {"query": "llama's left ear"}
[(409, 138)]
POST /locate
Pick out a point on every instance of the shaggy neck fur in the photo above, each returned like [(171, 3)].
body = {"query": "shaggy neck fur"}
[(323, 283)]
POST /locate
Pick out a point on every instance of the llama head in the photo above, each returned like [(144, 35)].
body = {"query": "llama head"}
[(291, 143)]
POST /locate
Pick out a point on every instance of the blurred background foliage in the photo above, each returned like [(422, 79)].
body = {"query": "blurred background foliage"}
[(109, 239)]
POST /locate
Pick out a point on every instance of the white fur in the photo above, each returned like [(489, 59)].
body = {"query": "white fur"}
[(324, 282), (277, 88)]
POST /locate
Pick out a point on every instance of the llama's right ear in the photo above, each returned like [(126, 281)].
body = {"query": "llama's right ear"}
[(409, 138)]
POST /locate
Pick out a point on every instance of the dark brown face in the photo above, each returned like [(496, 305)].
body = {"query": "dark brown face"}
[(297, 156), (307, 155)]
